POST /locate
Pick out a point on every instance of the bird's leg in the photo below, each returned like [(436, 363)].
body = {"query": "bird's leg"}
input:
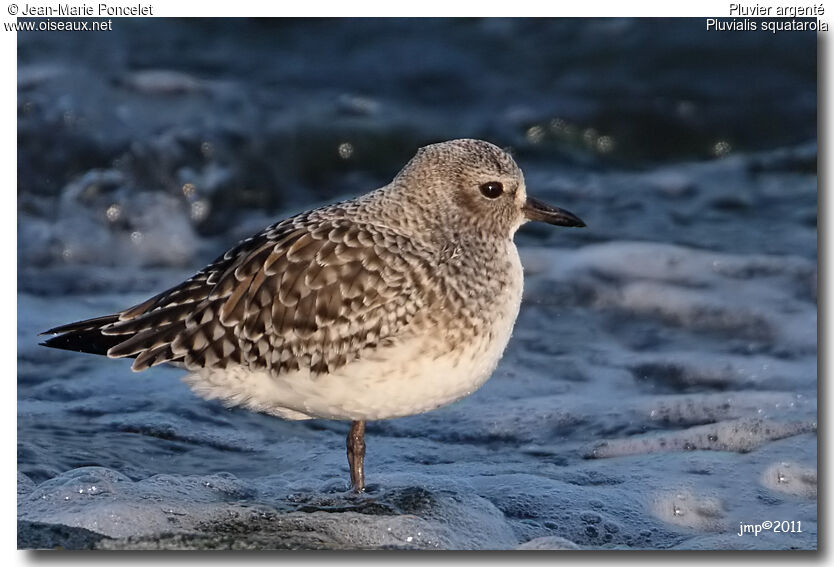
[(356, 455)]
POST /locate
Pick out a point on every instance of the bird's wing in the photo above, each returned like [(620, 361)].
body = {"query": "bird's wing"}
[(298, 295)]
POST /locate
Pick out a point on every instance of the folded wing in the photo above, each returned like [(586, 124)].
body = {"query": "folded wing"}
[(298, 295)]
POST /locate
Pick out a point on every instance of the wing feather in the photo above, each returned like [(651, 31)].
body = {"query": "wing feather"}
[(300, 294)]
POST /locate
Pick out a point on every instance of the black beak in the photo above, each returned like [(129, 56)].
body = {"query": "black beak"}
[(535, 210)]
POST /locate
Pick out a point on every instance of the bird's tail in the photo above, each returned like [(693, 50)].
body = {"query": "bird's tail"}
[(84, 336)]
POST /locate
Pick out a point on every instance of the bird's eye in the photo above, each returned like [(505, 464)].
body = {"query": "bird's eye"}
[(492, 189)]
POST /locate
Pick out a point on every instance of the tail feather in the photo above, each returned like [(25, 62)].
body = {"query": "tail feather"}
[(85, 325), (147, 331), (88, 336), (83, 336)]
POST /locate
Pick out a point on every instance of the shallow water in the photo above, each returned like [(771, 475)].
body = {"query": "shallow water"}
[(660, 386)]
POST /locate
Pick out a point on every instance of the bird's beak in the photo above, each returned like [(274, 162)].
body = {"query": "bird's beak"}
[(535, 210)]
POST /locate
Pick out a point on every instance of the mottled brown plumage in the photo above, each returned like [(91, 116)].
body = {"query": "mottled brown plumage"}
[(389, 304)]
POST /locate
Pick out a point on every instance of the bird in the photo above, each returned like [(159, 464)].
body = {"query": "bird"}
[(391, 304)]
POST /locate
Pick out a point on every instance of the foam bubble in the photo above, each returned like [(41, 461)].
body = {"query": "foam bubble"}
[(791, 478)]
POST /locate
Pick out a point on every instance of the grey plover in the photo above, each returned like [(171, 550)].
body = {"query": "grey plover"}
[(391, 304)]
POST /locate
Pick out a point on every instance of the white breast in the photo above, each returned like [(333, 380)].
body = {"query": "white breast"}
[(411, 377)]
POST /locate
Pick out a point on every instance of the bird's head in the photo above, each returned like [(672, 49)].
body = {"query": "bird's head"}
[(476, 184)]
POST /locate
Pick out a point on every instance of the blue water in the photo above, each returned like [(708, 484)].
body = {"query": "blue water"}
[(660, 386)]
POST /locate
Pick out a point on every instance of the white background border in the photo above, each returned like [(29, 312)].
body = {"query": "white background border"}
[(192, 8)]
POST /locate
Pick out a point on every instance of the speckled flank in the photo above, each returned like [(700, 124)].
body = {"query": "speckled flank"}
[(391, 304), (417, 373)]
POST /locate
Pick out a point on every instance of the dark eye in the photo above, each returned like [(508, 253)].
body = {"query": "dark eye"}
[(492, 190)]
